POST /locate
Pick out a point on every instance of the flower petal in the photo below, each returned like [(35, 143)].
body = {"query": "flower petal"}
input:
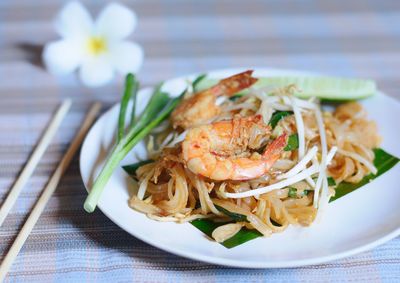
[(74, 21), (116, 21), (96, 72), (62, 57), (126, 57)]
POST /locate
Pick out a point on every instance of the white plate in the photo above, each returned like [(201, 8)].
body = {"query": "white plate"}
[(357, 222)]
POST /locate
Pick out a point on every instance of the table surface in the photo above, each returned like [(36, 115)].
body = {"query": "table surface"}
[(343, 38)]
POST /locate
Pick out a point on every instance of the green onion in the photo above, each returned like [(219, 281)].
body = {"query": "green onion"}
[(293, 143), (158, 109), (130, 90), (294, 193)]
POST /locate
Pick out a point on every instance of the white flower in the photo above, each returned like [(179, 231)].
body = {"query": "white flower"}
[(96, 48)]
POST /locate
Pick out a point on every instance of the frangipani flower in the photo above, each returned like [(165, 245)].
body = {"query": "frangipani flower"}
[(97, 48)]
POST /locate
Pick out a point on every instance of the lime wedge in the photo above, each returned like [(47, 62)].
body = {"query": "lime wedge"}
[(328, 88), (325, 87)]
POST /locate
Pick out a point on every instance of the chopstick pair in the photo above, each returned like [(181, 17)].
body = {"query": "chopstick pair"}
[(34, 159), (51, 185)]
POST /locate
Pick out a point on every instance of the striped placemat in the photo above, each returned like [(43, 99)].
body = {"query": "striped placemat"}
[(345, 38)]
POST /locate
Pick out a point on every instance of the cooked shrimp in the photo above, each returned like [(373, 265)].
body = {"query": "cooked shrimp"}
[(216, 151), (201, 107)]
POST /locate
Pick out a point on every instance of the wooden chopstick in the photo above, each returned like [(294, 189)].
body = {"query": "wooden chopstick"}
[(47, 192), (34, 159)]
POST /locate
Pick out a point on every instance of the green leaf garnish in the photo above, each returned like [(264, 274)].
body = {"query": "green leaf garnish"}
[(158, 109), (331, 182), (277, 116), (243, 236), (293, 143)]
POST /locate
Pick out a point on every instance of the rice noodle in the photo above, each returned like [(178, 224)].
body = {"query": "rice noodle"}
[(256, 222), (226, 231), (207, 204), (180, 197), (143, 184), (359, 158)]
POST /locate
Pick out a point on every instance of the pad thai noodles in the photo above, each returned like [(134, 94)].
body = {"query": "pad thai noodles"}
[(266, 155)]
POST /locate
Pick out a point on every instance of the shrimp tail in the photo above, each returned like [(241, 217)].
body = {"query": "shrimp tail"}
[(234, 84), (274, 149)]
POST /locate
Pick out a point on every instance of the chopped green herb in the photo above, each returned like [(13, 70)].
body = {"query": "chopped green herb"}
[(294, 193), (277, 116), (293, 143)]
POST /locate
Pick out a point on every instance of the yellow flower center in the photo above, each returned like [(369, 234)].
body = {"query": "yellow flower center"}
[(96, 45)]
